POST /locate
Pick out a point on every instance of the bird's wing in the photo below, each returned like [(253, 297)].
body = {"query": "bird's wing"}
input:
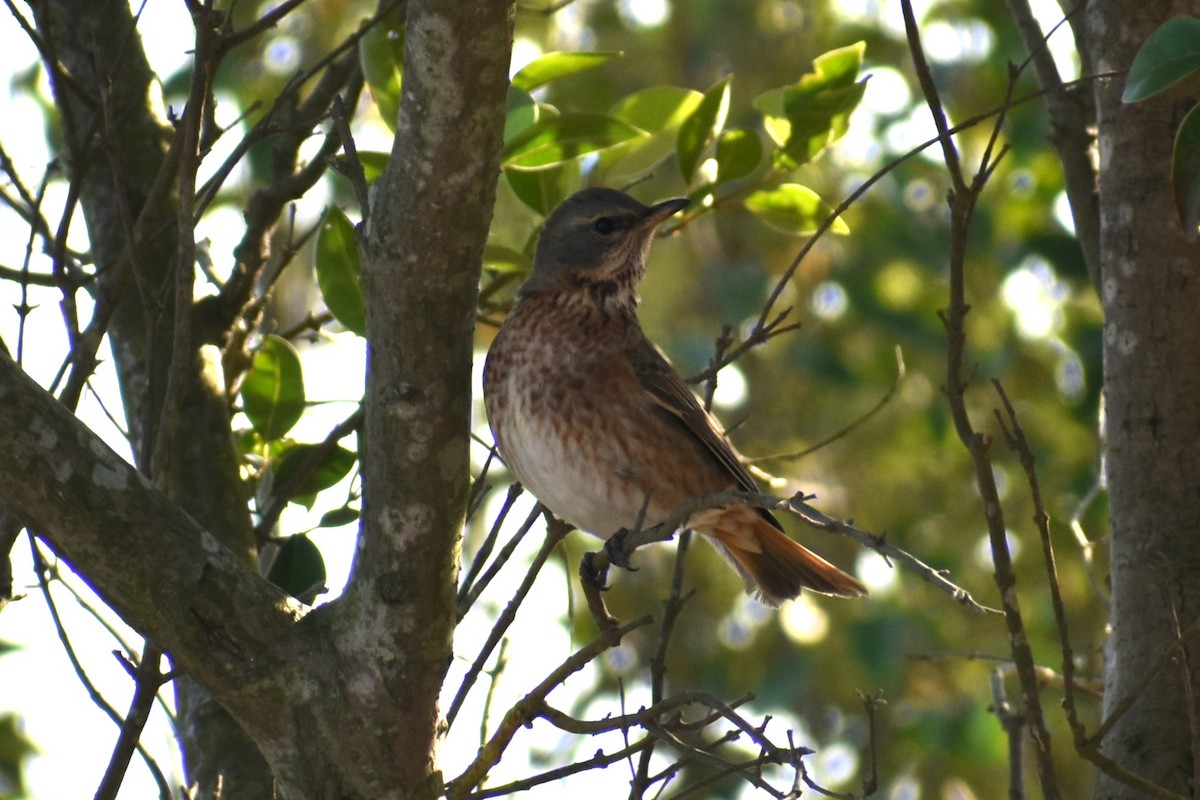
[(660, 381)]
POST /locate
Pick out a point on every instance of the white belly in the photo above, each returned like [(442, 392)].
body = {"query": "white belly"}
[(596, 494)]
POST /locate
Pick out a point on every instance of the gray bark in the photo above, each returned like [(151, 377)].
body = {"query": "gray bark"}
[(115, 150), (1151, 293), (341, 702)]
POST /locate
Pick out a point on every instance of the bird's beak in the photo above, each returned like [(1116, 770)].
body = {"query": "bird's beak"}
[(660, 213)]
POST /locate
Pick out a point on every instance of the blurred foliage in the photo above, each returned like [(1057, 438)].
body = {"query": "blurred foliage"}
[(1034, 325), (762, 112), (765, 113), (15, 748)]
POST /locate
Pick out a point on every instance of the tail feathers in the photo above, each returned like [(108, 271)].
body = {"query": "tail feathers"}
[(772, 564)]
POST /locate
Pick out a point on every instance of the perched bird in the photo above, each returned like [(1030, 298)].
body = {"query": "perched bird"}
[(591, 417)]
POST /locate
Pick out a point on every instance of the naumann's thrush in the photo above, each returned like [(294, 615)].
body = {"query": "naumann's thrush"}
[(590, 416)]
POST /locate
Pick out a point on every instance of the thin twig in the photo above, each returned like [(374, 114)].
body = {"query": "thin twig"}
[(658, 662), (351, 167), (848, 429), (480, 556), (862, 188), (469, 594), (599, 761), (262, 24), (962, 200), (799, 507), (148, 679), (493, 680), (1072, 115), (1012, 722), (554, 535), (43, 570), (180, 362), (1189, 694), (528, 707), (871, 704)]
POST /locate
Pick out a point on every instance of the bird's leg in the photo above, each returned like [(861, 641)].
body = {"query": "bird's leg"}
[(615, 547)]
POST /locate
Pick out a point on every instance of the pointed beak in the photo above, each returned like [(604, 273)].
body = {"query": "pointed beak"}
[(660, 213)]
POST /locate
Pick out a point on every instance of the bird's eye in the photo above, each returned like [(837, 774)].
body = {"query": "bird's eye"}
[(605, 226)]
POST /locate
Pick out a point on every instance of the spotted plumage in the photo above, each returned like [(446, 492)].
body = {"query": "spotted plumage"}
[(591, 417)]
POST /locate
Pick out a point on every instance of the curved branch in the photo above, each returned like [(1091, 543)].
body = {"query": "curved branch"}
[(219, 619)]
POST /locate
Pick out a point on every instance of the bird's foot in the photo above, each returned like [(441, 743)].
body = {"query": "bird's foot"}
[(614, 548)]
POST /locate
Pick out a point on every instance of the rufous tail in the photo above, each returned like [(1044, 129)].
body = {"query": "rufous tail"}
[(771, 563)]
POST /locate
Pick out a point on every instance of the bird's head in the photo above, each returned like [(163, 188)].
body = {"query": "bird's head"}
[(597, 239)]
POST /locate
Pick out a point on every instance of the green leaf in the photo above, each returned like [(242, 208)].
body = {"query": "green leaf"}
[(1185, 172), (806, 117), (1168, 55), (336, 464), (555, 139), (273, 389), (521, 112), (553, 66), (298, 567), (339, 273), (15, 751), (543, 189), (738, 154), (381, 52), (500, 258), (373, 162), (339, 517), (792, 208), (659, 111), (657, 108), (701, 126)]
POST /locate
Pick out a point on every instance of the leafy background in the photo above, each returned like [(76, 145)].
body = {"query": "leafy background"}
[(766, 113)]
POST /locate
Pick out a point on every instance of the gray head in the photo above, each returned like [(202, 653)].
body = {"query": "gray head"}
[(596, 237)]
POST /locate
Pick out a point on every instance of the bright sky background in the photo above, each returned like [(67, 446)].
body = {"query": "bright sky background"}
[(76, 738)]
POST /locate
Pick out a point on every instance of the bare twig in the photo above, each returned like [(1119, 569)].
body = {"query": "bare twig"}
[(1185, 676), (848, 429), (599, 761), (43, 570), (530, 706), (1012, 722), (962, 200), (180, 361), (263, 23), (470, 590), (1072, 113), (148, 679), (761, 332), (556, 530), (351, 167), (871, 704), (800, 508), (493, 680), (658, 663)]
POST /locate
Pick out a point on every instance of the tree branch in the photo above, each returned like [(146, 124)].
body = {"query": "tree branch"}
[(216, 615), (962, 200)]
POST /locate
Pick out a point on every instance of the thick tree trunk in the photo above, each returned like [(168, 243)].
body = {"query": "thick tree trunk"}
[(1151, 295), (342, 704), (115, 150), (422, 256)]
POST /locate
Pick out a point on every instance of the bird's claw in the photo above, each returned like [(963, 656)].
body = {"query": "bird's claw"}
[(614, 548)]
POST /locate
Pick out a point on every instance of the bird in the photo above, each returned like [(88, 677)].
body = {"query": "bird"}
[(591, 417)]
